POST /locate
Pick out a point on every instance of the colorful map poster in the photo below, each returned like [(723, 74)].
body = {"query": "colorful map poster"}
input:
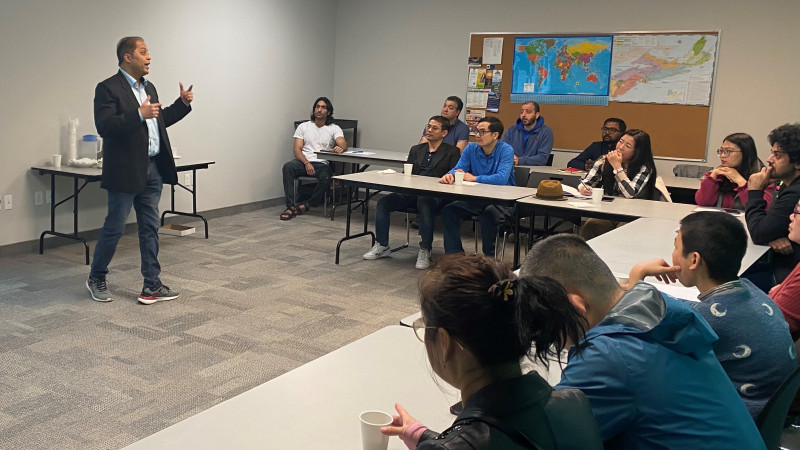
[(672, 69), (561, 65)]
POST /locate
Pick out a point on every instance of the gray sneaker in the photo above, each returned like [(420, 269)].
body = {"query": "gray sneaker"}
[(99, 289), (163, 293), (378, 251), (423, 259)]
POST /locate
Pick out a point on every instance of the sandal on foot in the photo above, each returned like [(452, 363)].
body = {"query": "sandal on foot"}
[(289, 213), (302, 209)]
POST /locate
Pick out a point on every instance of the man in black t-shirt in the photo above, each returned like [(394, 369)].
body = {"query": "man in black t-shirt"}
[(433, 158)]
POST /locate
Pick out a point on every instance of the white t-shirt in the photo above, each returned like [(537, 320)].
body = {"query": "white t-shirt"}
[(316, 138)]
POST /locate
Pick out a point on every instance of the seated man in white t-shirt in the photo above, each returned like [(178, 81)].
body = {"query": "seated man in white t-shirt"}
[(318, 134)]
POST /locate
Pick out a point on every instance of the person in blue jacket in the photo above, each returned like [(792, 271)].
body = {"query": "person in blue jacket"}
[(487, 160), (530, 138), (646, 361)]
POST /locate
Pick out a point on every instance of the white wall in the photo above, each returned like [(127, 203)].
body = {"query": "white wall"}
[(256, 66), (397, 61)]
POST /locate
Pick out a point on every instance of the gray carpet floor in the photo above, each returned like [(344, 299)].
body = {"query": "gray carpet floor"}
[(260, 297)]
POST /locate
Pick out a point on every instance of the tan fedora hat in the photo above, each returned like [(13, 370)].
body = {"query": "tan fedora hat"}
[(550, 190)]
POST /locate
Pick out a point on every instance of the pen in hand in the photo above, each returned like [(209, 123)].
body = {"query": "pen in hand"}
[(586, 187)]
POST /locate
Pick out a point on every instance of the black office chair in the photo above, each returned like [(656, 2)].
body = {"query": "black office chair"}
[(771, 419), (550, 160)]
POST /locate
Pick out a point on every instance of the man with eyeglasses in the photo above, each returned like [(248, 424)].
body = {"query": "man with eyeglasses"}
[(459, 131), (770, 226), (530, 138), (431, 159), (609, 135), (487, 160)]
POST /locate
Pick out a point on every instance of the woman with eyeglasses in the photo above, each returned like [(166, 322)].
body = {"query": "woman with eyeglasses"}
[(726, 185), (787, 294), (477, 323)]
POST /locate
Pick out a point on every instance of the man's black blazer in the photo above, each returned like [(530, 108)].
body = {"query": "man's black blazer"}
[(125, 138), (444, 158)]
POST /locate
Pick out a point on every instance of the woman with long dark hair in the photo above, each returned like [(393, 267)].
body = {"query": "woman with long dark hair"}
[(477, 323), (629, 171), (726, 185)]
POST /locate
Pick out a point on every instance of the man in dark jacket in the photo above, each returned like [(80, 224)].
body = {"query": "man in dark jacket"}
[(433, 158), (771, 227), (609, 136), (137, 161), (531, 139)]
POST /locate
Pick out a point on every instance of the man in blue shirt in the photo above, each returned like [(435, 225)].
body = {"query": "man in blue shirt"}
[(489, 161), (610, 133), (459, 131), (531, 139)]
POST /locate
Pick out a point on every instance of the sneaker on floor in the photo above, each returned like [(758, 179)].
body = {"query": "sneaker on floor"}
[(163, 293), (99, 289), (423, 259), (378, 251)]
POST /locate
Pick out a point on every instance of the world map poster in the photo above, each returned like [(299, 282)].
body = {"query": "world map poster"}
[(671, 69), (562, 65)]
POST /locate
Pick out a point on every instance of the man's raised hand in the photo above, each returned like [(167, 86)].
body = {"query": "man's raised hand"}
[(149, 110), (186, 94)]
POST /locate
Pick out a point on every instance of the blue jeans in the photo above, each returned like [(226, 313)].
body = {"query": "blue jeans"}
[(148, 220), (427, 208), (490, 217), (295, 169)]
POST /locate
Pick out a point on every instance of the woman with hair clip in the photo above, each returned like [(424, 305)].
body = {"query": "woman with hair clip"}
[(477, 323), (726, 185), (629, 171)]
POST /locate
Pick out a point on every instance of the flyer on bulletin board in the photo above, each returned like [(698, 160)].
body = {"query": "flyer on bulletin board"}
[(472, 117)]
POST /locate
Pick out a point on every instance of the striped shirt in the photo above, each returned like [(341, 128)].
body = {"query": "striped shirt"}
[(624, 187)]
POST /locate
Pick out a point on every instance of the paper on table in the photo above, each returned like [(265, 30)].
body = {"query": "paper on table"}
[(582, 204), (385, 171), (470, 183), (358, 152)]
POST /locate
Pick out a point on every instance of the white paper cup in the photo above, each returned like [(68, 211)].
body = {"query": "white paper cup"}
[(459, 177), (407, 169), (56, 161), (597, 195), (371, 423)]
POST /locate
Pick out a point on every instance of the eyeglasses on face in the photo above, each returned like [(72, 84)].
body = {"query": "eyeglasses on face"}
[(479, 132), (609, 130), (433, 127), (726, 151), (796, 210), (419, 329)]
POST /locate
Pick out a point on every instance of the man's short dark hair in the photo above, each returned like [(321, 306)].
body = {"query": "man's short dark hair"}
[(787, 136), (619, 122), (459, 103), (535, 106), (126, 45), (328, 104), (719, 238), (569, 260), (443, 122), (494, 125)]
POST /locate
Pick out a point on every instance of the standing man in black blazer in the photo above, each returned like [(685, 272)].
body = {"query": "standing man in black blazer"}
[(137, 161), (433, 158)]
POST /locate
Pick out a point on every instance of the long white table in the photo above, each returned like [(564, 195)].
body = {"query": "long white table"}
[(92, 174), (361, 158), (649, 238), (317, 405), (420, 185), (621, 209)]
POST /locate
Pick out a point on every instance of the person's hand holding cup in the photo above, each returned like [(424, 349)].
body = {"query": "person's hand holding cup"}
[(459, 177)]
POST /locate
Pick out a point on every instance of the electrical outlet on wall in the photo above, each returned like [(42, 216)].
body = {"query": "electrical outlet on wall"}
[(187, 179), (47, 197), (38, 198), (7, 200)]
